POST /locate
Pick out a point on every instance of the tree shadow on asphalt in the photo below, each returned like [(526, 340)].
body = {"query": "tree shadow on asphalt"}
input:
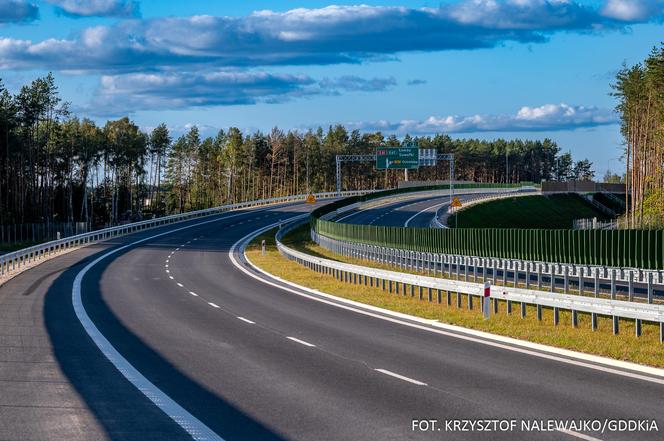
[(121, 409)]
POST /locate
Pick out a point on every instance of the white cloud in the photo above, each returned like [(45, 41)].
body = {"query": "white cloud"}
[(121, 94), (100, 8), (334, 34), (549, 117), (631, 10)]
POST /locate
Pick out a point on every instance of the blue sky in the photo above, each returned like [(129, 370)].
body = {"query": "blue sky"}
[(470, 68)]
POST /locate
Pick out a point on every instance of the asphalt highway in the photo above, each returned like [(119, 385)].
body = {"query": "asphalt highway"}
[(253, 361), (412, 212)]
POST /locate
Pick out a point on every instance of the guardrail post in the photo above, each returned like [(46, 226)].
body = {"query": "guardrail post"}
[(509, 307), (390, 286), (593, 320), (566, 280), (421, 293), (412, 290), (596, 273), (516, 267), (475, 269), (493, 270), (539, 313), (440, 296), (616, 325), (470, 301), (505, 267), (613, 284), (650, 293), (527, 275), (637, 327), (430, 296), (458, 299), (465, 268), (661, 332), (575, 319), (553, 278), (523, 310), (396, 288), (556, 316), (539, 276), (630, 285), (581, 280)]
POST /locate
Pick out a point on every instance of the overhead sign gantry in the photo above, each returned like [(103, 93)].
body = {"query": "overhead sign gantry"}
[(407, 157)]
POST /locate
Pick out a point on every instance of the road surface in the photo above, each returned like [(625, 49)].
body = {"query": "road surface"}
[(252, 361)]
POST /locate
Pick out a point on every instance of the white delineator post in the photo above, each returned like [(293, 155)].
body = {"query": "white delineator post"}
[(487, 300)]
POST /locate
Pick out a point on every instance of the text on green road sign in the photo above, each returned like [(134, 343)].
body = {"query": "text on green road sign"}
[(397, 157)]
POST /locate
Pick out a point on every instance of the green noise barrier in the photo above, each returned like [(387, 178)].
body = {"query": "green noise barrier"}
[(618, 248)]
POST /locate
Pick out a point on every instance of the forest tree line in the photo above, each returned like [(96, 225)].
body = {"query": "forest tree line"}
[(55, 167), (640, 93)]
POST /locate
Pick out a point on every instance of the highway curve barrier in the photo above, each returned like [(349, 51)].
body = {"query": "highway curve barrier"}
[(619, 248)]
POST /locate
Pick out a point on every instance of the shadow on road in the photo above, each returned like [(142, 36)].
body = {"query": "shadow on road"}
[(123, 411)]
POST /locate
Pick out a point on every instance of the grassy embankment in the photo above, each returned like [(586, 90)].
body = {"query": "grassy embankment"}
[(553, 211), (626, 346)]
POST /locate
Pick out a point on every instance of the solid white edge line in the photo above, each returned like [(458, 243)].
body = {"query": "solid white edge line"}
[(189, 423), (246, 320), (481, 337), (420, 212), (401, 377), (302, 342), (214, 305)]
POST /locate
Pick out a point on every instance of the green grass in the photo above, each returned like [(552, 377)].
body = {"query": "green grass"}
[(626, 346), (553, 211)]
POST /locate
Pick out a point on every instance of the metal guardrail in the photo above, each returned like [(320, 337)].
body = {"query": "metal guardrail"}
[(633, 248), (594, 224), (17, 260), (515, 271), (392, 281), (439, 221), (333, 215)]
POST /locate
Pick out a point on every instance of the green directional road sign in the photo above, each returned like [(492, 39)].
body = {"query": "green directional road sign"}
[(397, 157)]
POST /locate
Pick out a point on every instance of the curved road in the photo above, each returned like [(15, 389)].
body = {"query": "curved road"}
[(412, 212), (251, 360)]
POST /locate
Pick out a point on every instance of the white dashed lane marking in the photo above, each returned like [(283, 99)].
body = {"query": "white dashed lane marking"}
[(400, 377), (246, 320), (214, 305), (302, 342)]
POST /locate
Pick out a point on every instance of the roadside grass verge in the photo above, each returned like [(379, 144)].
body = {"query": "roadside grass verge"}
[(551, 212), (625, 346)]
